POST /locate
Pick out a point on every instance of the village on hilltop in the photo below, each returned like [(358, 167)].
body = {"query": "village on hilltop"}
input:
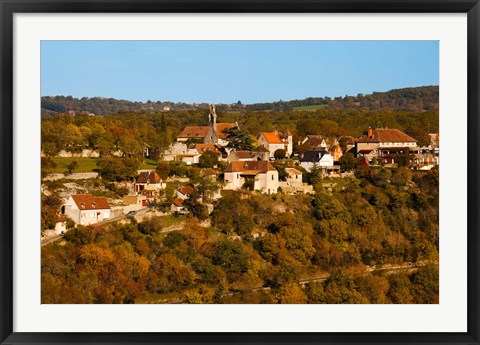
[(270, 166)]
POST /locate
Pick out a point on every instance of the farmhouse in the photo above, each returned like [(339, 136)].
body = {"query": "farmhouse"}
[(85, 209), (252, 175)]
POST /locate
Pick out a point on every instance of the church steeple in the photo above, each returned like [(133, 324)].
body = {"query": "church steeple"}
[(212, 117)]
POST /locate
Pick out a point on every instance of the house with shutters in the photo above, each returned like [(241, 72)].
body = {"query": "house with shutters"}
[(86, 209), (273, 141), (386, 144), (251, 175)]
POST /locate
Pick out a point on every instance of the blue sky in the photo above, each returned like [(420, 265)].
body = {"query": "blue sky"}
[(228, 71)]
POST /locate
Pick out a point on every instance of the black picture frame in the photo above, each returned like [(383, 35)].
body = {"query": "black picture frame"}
[(10, 7)]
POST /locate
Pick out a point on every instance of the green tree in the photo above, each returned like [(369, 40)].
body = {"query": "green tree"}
[(348, 162), (208, 159), (238, 139), (279, 154)]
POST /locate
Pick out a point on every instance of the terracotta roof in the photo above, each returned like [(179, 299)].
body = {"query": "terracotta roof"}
[(250, 172), (149, 177), (201, 131), (222, 126), (315, 141), (382, 135), (186, 190), (262, 149), (260, 166), (293, 171), (244, 154), (90, 202), (194, 132), (271, 138), (202, 148), (178, 202)]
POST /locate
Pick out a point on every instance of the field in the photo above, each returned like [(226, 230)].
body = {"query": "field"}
[(85, 164), (310, 107)]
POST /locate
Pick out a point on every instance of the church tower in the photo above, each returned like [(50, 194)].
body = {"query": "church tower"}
[(212, 136)]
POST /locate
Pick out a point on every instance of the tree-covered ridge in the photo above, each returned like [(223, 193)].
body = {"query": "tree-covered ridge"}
[(131, 132), (406, 99), (271, 242)]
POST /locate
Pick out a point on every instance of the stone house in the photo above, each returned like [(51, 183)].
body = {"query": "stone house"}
[(321, 158), (273, 141), (86, 209), (251, 175), (148, 182)]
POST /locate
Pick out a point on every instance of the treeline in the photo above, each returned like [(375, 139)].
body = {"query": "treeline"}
[(407, 99), (134, 132), (260, 240), (102, 106)]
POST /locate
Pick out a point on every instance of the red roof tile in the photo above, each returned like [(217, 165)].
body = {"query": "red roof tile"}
[(90, 202), (272, 138), (149, 177), (186, 190), (385, 135), (178, 202), (260, 166)]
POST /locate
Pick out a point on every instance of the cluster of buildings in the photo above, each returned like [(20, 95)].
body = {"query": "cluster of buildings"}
[(253, 170)]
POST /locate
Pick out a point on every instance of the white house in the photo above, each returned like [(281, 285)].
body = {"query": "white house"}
[(252, 175), (148, 182), (274, 141), (85, 209), (321, 158), (294, 177)]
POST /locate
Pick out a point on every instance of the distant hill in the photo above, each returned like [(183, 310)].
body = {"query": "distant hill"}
[(407, 99)]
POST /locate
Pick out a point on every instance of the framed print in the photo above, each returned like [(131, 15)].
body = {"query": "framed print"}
[(244, 172)]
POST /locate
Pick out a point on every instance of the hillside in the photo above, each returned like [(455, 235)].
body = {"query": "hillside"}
[(407, 99)]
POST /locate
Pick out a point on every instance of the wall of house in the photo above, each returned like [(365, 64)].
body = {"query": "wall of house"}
[(398, 144), (233, 180), (326, 161), (267, 183), (88, 217)]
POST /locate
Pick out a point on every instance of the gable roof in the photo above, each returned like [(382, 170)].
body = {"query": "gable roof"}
[(202, 148), (271, 138), (148, 177), (90, 202), (262, 149), (223, 126), (185, 190), (178, 202), (244, 154), (201, 131), (293, 171), (194, 132), (313, 156), (314, 141), (382, 135), (250, 166)]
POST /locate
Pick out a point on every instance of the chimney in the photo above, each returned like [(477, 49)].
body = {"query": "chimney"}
[(370, 132)]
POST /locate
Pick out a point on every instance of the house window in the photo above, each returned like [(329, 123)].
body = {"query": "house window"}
[(272, 178), (238, 176)]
